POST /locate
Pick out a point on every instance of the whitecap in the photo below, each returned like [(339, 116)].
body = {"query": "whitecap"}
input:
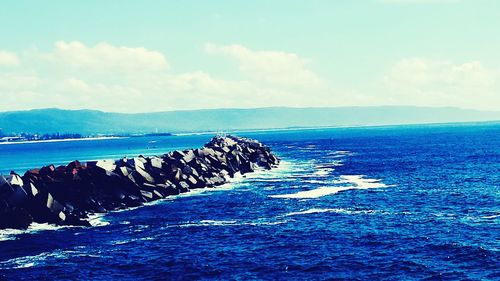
[(314, 181), (204, 223), (356, 181), (261, 223), (217, 222), (344, 152), (331, 165), (361, 182), (122, 242), (30, 261), (258, 222), (322, 172), (97, 220), (491, 217), (334, 210), (147, 238), (310, 194), (10, 234), (340, 154)]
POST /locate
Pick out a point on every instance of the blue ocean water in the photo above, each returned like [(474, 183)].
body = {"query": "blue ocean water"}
[(380, 203)]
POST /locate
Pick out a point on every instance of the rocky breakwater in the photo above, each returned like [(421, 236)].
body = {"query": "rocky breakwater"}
[(67, 195)]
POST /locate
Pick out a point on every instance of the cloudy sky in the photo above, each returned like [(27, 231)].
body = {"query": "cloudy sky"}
[(141, 56)]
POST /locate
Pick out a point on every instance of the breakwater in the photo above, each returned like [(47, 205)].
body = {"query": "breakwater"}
[(67, 195)]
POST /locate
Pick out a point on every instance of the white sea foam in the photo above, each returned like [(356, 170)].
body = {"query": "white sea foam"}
[(46, 257), (331, 165), (307, 148), (361, 182), (344, 152), (354, 181), (314, 181), (129, 241), (334, 210), (98, 220), (10, 234), (217, 222), (147, 238), (204, 223), (491, 217), (30, 261), (322, 172), (340, 153), (122, 242), (263, 223), (315, 193)]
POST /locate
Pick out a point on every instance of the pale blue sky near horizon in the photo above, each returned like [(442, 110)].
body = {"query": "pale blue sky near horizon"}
[(137, 56)]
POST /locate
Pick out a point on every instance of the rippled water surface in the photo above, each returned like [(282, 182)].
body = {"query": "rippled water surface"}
[(393, 203)]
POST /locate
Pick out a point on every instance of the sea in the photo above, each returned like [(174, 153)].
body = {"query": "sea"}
[(415, 202)]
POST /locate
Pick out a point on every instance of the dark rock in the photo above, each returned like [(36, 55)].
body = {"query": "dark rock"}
[(66, 195)]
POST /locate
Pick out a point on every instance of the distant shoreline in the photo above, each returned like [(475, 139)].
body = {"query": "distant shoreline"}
[(361, 126), (263, 130), (60, 140)]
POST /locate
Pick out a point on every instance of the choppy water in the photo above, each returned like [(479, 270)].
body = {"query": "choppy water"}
[(394, 203)]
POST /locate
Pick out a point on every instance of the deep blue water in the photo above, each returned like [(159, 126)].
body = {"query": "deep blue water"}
[(387, 203)]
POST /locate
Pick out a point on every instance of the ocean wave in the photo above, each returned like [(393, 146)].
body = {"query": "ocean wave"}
[(322, 172), (311, 194), (264, 223), (30, 261), (11, 234), (491, 216), (130, 241), (122, 242), (475, 219), (355, 181), (361, 182), (204, 223), (99, 220), (308, 147), (339, 154), (332, 165), (314, 181), (334, 210)]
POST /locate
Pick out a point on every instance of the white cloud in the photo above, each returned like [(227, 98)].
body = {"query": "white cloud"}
[(105, 57), (270, 67), (422, 81), (8, 59), (124, 79), (112, 78)]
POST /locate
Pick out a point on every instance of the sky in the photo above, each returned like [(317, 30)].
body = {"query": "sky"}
[(144, 56)]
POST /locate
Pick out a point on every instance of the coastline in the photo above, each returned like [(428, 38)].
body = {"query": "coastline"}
[(361, 126), (61, 140)]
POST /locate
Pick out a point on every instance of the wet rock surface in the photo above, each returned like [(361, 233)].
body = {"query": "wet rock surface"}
[(67, 195)]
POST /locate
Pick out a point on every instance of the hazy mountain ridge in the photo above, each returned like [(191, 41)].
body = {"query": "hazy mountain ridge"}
[(90, 122)]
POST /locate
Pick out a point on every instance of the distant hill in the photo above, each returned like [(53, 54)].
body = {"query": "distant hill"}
[(91, 122)]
